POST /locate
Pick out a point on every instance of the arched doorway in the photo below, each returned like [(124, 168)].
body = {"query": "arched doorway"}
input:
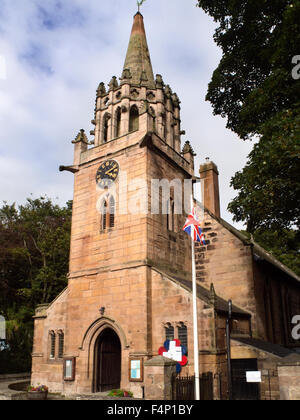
[(107, 361)]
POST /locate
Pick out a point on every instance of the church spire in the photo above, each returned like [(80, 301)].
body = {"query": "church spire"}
[(138, 61)]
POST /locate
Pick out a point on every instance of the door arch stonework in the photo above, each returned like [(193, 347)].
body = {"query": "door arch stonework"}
[(88, 343)]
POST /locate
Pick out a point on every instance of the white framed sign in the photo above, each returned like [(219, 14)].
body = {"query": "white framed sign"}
[(136, 370), (69, 368), (253, 377)]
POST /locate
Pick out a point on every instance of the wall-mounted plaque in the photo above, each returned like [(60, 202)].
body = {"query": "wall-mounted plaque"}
[(136, 370), (69, 368), (253, 377)]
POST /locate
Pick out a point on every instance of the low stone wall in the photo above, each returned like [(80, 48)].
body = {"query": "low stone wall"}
[(13, 387), (8, 391)]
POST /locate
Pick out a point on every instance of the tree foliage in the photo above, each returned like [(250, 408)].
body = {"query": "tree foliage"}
[(269, 185), (253, 81), (34, 258), (284, 244), (254, 89)]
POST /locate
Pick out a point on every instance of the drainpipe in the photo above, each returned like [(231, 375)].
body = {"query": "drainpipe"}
[(229, 371)]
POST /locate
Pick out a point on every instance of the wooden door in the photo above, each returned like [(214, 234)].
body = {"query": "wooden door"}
[(107, 361)]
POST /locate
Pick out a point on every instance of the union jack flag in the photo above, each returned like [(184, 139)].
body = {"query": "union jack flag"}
[(192, 228)]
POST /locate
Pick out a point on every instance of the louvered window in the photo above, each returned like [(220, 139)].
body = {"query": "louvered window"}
[(52, 345), (182, 334), (118, 123), (105, 129), (134, 119), (111, 212), (104, 215), (61, 342), (169, 332)]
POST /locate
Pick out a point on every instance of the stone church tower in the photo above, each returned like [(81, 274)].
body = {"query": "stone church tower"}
[(121, 297)]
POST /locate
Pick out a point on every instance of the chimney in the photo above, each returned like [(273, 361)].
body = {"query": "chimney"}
[(209, 176)]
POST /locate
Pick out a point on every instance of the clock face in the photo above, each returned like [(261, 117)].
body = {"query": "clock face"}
[(107, 174)]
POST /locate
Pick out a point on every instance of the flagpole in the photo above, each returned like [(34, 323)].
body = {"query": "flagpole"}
[(195, 318)]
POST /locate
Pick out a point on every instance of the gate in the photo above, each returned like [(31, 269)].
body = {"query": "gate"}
[(207, 387), (183, 388), (241, 390)]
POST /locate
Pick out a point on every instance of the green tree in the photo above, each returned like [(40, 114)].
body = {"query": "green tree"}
[(253, 81), (254, 89), (269, 185), (283, 244), (34, 258)]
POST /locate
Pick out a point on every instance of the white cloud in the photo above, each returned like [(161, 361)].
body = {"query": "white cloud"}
[(3, 71), (57, 52)]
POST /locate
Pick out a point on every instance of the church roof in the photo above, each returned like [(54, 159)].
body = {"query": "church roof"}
[(138, 60), (207, 296), (274, 349), (220, 304), (258, 251)]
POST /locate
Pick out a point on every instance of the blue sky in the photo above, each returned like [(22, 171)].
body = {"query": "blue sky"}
[(56, 52)]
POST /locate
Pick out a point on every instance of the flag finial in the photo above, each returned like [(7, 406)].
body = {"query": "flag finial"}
[(139, 3)]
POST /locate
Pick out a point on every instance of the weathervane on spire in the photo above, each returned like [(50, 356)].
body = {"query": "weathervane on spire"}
[(139, 3)]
